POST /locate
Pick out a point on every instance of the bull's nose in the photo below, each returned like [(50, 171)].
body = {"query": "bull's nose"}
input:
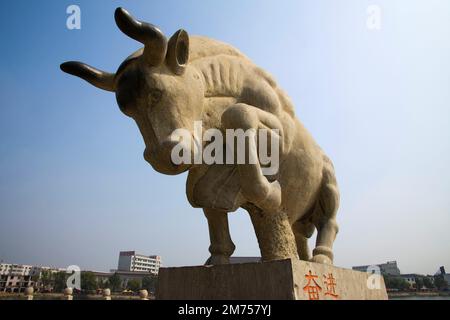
[(161, 159)]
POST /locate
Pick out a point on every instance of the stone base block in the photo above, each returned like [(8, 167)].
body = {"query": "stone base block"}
[(274, 280)]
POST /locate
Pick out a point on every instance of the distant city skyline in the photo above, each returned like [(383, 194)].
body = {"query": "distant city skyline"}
[(386, 266), (75, 189)]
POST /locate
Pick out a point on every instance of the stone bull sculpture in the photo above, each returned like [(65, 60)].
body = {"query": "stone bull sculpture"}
[(169, 84)]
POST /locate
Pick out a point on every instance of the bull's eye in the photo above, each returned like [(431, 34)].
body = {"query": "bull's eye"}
[(155, 96)]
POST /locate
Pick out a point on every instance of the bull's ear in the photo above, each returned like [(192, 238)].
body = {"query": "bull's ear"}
[(100, 79), (178, 52)]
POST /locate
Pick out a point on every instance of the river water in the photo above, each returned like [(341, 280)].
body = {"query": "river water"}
[(421, 298)]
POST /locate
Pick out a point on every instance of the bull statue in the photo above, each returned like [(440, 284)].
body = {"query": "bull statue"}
[(171, 84)]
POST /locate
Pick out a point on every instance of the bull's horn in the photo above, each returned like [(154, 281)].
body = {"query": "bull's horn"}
[(98, 78), (178, 52), (154, 40)]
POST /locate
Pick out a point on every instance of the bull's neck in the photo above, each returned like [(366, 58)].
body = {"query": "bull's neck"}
[(222, 75), (213, 108)]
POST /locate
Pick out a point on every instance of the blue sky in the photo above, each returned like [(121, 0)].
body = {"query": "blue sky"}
[(74, 188)]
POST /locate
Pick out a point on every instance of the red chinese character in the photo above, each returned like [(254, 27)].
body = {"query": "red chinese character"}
[(330, 282), (312, 288)]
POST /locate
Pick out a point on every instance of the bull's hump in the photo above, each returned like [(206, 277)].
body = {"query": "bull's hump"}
[(224, 68), (203, 47)]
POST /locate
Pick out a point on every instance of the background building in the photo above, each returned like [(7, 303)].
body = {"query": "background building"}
[(445, 275), (132, 261), (389, 268), (17, 277), (411, 278)]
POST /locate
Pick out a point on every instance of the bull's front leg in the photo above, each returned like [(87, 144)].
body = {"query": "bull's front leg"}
[(254, 185), (222, 247), (273, 231)]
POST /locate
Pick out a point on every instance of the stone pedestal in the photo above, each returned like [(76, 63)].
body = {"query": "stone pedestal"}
[(276, 280)]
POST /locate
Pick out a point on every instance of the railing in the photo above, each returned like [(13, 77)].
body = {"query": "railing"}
[(68, 294)]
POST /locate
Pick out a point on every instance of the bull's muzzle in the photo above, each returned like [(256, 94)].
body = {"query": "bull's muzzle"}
[(160, 158)]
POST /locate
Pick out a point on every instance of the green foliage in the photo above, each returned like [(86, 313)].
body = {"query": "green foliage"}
[(428, 283), (88, 281), (440, 282), (60, 279), (35, 278), (419, 283), (134, 285), (46, 278), (115, 282), (103, 284), (396, 283), (149, 283)]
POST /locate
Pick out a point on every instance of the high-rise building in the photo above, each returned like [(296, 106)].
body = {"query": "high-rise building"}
[(132, 261)]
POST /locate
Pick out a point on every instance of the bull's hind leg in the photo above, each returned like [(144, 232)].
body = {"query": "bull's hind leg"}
[(324, 217), (222, 247), (302, 232)]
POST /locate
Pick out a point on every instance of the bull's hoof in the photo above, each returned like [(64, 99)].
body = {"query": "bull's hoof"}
[(217, 259), (321, 258)]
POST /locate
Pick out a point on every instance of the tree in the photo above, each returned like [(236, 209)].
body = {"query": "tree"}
[(134, 285), (115, 282), (402, 284), (88, 281), (428, 283), (35, 278), (440, 282), (396, 283), (419, 283), (103, 284), (149, 283), (60, 279), (46, 278)]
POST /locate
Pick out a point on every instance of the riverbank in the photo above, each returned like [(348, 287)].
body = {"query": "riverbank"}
[(60, 296), (419, 295)]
